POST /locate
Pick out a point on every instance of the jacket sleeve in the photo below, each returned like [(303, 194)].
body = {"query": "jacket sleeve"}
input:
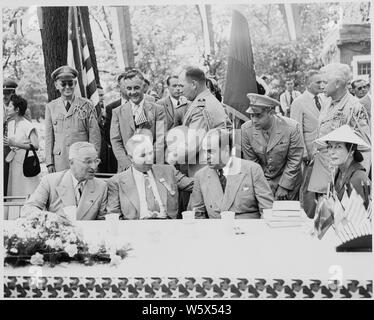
[(283, 102), (263, 192), (38, 199), (117, 143), (197, 200), (49, 137), (161, 128), (103, 204), (248, 152), (94, 135), (113, 203), (298, 115), (184, 183), (294, 158)]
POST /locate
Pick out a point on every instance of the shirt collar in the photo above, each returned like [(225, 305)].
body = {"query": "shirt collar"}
[(70, 101), (174, 101), (133, 105), (311, 95), (75, 181)]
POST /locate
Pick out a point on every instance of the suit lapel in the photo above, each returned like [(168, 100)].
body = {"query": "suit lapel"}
[(158, 174), (90, 193), (60, 107), (65, 190), (127, 184), (128, 116), (214, 187), (71, 109), (170, 109), (275, 135), (232, 186), (149, 114)]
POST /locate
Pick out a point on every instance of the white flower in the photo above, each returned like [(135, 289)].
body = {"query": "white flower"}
[(37, 259), (71, 250), (115, 260), (93, 248), (51, 243), (14, 250), (58, 243)]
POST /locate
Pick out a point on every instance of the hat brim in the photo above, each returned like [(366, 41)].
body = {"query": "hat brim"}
[(65, 76)]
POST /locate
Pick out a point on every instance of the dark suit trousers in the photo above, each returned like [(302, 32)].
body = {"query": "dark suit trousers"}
[(6, 150)]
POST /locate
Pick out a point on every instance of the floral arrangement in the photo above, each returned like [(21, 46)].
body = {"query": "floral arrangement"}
[(48, 238)]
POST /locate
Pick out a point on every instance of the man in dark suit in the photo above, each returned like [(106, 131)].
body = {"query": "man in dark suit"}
[(137, 114), (175, 104)]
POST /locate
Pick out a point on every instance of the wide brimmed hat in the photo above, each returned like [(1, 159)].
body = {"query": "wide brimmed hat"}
[(343, 134)]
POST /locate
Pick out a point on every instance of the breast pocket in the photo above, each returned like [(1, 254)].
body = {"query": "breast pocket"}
[(279, 152), (58, 123)]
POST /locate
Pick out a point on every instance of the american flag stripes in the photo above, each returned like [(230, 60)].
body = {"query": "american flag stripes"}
[(79, 57)]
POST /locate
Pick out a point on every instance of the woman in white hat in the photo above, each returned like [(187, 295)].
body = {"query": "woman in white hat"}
[(345, 158)]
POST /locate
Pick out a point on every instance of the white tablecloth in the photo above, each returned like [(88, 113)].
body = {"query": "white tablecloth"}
[(173, 248)]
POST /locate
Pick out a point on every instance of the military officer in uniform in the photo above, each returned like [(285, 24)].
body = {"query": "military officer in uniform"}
[(68, 119), (274, 142), (203, 114)]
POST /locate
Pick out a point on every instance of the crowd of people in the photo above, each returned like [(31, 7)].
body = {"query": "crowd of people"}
[(182, 152)]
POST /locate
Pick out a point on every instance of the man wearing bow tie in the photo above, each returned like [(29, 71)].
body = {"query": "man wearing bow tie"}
[(175, 104), (288, 97), (76, 186), (68, 119), (228, 183), (133, 116), (145, 190)]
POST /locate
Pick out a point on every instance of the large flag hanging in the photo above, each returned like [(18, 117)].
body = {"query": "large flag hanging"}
[(79, 57), (240, 75)]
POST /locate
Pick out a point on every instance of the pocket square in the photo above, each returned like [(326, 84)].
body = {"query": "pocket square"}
[(245, 188)]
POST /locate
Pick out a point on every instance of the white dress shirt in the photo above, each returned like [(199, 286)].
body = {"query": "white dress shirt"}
[(76, 185)]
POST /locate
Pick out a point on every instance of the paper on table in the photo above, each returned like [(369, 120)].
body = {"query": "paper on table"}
[(286, 206)]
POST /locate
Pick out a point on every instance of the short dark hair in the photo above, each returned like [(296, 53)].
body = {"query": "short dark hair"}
[(310, 74), (169, 78), (196, 74), (19, 103), (354, 82), (147, 81), (129, 74)]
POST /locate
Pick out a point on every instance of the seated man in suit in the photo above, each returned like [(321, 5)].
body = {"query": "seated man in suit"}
[(134, 115), (145, 190), (76, 186), (228, 183)]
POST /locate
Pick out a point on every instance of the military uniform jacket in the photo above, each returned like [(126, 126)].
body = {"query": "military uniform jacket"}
[(281, 157), (63, 128), (122, 128), (203, 114), (174, 115)]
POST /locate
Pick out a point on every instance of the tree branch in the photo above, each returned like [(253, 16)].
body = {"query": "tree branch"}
[(102, 31)]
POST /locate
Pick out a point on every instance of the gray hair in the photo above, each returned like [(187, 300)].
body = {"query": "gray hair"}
[(75, 147), (135, 140), (340, 71)]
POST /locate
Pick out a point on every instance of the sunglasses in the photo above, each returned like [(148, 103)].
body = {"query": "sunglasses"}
[(67, 84)]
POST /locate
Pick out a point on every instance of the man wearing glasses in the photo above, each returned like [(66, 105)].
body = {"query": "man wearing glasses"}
[(68, 119), (75, 187)]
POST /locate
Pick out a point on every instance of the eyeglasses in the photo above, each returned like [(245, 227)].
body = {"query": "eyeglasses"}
[(67, 83), (90, 162)]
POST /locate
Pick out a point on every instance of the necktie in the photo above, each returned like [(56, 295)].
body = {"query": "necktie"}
[(178, 103), (291, 98), (318, 105), (139, 116), (222, 179), (265, 133), (80, 191), (67, 107), (150, 197)]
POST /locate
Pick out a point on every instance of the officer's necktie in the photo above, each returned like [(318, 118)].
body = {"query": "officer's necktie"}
[(266, 135), (222, 179), (318, 104), (67, 107), (150, 197), (291, 98)]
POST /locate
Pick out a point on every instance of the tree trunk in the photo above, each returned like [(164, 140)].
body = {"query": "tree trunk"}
[(54, 32), (87, 29)]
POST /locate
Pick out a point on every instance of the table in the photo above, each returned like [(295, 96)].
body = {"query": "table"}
[(175, 259)]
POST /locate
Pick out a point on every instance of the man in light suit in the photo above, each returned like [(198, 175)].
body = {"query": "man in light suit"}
[(136, 115), (204, 113), (366, 101), (175, 104), (275, 143), (145, 190), (305, 110), (68, 119), (74, 187), (229, 183), (287, 97)]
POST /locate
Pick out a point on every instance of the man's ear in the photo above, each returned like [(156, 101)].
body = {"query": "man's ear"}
[(56, 85)]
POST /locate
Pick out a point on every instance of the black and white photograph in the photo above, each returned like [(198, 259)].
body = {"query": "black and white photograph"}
[(188, 150)]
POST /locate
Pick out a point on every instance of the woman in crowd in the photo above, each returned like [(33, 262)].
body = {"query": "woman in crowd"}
[(21, 134), (342, 144)]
